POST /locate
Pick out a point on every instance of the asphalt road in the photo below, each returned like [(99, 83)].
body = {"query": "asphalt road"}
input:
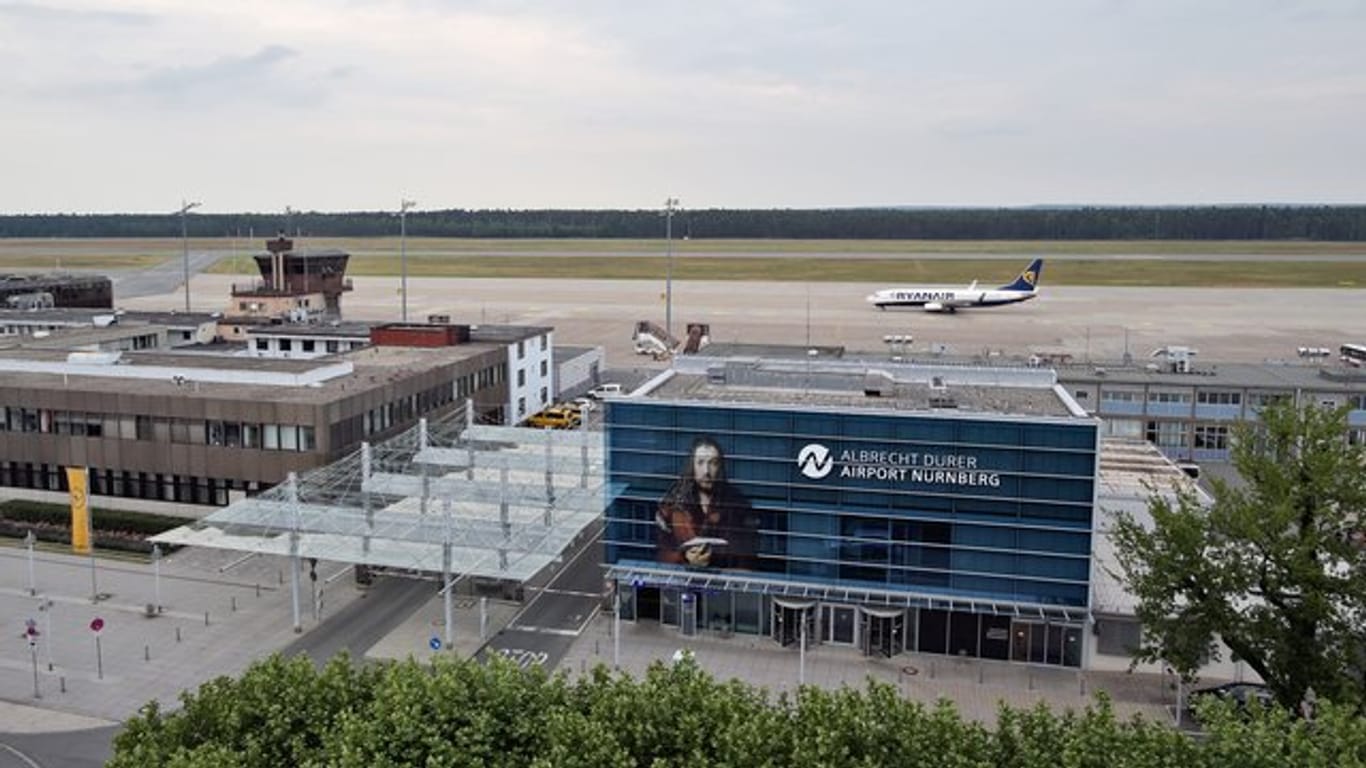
[(63, 749), (165, 277), (559, 613), (386, 604)]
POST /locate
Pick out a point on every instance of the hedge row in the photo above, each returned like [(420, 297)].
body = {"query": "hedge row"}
[(144, 523), (112, 528)]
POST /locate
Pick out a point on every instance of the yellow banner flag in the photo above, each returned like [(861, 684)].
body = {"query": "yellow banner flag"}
[(80, 510)]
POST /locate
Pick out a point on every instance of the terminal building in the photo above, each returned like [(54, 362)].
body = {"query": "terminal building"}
[(156, 424), (889, 508), (1188, 412)]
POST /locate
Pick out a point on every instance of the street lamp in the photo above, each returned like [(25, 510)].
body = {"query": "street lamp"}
[(403, 208), (185, 245), (670, 205)]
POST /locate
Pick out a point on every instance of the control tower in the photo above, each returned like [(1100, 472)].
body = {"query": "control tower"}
[(310, 281)]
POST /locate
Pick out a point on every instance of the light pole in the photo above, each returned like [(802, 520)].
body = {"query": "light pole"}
[(403, 207), (156, 575), (29, 540), (670, 205), (185, 246)]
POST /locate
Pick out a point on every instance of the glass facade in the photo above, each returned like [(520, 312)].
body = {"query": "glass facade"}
[(977, 509)]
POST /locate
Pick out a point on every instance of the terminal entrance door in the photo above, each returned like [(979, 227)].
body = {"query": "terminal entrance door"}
[(837, 624), (647, 603), (788, 618), (883, 630)]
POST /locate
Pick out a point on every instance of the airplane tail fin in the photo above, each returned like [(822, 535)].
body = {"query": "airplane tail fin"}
[(1028, 279)]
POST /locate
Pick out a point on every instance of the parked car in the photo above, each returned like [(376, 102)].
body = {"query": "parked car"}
[(557, 417), (603, 390), (584, 404), (1241, 694)]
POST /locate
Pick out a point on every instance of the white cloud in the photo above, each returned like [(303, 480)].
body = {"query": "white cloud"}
[(124, 104)]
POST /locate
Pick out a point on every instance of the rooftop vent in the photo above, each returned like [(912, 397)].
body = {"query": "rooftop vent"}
[(878, 384), (943, 401)]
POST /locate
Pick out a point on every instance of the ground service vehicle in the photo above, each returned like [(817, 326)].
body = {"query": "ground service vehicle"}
[(603, 390)]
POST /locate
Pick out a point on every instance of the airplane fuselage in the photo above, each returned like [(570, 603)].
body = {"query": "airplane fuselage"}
[(946, 300)]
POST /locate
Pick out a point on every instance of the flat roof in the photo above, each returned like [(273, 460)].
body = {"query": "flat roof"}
[(70, 337), (504, 334), (85, 316), (348, 330), (234, 377), (1131, 472), (792, 351), (1328, 376), (846, 385)]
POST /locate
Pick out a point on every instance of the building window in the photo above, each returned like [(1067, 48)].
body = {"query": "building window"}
[(521, 350), (545, 341), (286, 345), (1216, 397), (331, 346), (1118, 637), (545, 395), (521, 406), (1118, 396), (521, 377), (308, 345), (261, 345), (1168, 434), (1157, 396), (1263, 399), (1211, 437), (545, 368)]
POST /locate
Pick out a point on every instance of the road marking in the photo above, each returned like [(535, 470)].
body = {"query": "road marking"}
[(572, 593), (546, 630), (521, 657), (32, 763)]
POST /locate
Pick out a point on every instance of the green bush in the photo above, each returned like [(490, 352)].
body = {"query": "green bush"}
[(461, 713)]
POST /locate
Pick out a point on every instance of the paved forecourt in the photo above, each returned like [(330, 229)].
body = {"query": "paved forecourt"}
[(976, 687), (216, 618)]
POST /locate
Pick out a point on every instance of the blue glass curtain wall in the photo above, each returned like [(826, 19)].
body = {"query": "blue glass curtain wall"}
[(998, 509)]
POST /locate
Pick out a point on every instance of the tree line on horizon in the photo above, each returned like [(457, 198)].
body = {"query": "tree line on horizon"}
[(1323, 223)]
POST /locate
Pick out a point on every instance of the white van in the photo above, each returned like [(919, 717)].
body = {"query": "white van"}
[(603, 390)]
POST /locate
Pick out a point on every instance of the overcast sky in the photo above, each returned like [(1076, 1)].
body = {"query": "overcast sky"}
[(332, 105)]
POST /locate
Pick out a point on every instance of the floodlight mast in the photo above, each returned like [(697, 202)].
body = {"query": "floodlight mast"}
[(670, 205), (403, 207), (185, 208)]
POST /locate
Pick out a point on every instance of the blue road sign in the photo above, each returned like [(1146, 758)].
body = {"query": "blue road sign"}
[(435, 643)]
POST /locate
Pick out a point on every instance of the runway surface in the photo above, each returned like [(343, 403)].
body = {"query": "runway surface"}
[(1243, 325)]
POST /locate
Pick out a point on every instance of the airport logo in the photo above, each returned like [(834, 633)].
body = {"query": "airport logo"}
[(815, 461)]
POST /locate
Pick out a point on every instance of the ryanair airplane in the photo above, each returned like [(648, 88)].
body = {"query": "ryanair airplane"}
[(938, 299)]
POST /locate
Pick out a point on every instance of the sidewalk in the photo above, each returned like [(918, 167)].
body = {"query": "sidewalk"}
[(976, 687), (219, 613)]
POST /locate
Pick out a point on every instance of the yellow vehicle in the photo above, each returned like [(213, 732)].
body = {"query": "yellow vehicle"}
[(555, 418)]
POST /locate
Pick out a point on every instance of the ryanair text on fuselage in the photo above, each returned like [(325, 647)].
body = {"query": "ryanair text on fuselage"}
[(1023, 288)]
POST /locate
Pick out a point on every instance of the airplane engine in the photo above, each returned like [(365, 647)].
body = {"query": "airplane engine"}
[(934, 306)]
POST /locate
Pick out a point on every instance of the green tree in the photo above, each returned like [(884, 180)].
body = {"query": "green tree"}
[(454, 713), (1270, 568)]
